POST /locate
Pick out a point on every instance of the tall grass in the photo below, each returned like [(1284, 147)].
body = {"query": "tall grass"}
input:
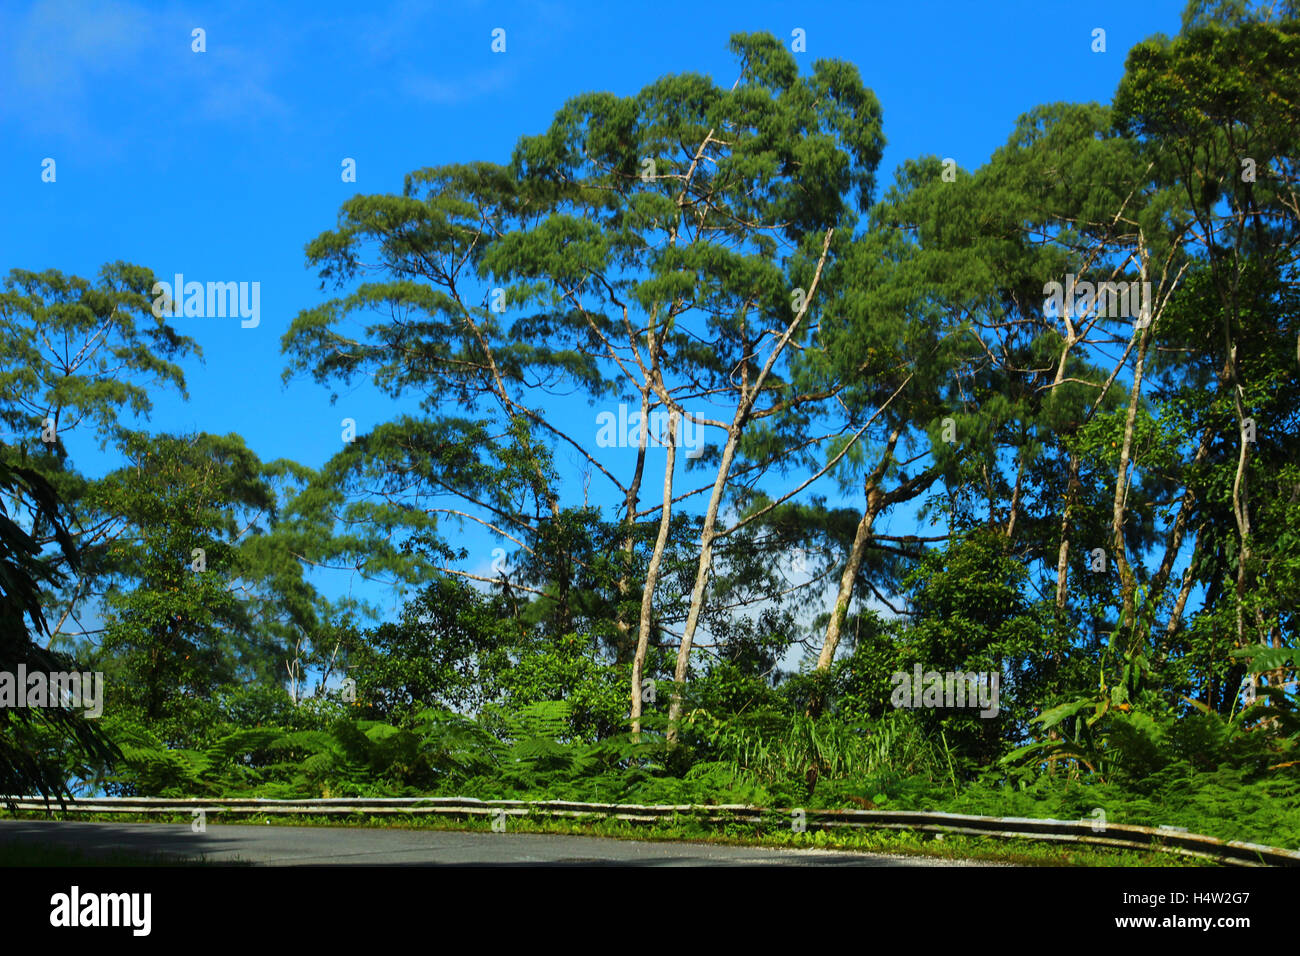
[(781, 750)]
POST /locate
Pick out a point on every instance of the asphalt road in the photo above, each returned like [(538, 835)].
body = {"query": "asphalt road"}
[(309, 846)]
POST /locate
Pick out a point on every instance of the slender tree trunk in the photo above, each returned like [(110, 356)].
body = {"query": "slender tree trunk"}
[(1184, 592), (988, 491), (621, 624), (707, 536), (749, 396), (877, 501), (1015, 496), (1072, 485), (652, 577), (1177, 533), (1240, 500), (1128, 582), (1063, 552), (849, 576)]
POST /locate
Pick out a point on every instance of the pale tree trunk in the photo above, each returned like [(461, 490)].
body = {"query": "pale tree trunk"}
[(1141, 339), (1072, 485), (988, 491), (877, 502), (1143, 333), (1073, 336), (1063, 552), (1240, 498), (850, 576), (1174, 544), (856, 553), (1015, 497), (749, 396), (652, 578), (1128, 582), (707, 536), (839, 614), (1176, 616), (621, 625)]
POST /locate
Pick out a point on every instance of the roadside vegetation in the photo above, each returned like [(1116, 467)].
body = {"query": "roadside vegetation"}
[(763, 447)]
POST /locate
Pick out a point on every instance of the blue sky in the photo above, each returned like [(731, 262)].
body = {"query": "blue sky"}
[(224, 164)]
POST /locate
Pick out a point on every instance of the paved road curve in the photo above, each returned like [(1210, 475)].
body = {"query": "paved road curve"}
[(298, 846)]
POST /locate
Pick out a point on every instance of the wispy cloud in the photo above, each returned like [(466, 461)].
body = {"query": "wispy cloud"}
[(238, 87), (62, 60), (59, 52), (63, 43), (432, 90)]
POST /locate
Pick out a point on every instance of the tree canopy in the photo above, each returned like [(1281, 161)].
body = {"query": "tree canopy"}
[(764, 441)]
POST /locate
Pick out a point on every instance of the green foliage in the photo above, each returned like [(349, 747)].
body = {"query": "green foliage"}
[(451, 648), (1156, 685), (40, 748)]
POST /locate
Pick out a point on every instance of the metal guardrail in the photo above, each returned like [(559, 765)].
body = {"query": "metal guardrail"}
[(1122, 835)]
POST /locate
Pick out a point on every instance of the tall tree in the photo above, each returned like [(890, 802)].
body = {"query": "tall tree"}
[(79, 357), (38, 745)]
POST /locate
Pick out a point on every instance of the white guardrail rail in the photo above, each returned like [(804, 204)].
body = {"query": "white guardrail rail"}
[(1127, 836)]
